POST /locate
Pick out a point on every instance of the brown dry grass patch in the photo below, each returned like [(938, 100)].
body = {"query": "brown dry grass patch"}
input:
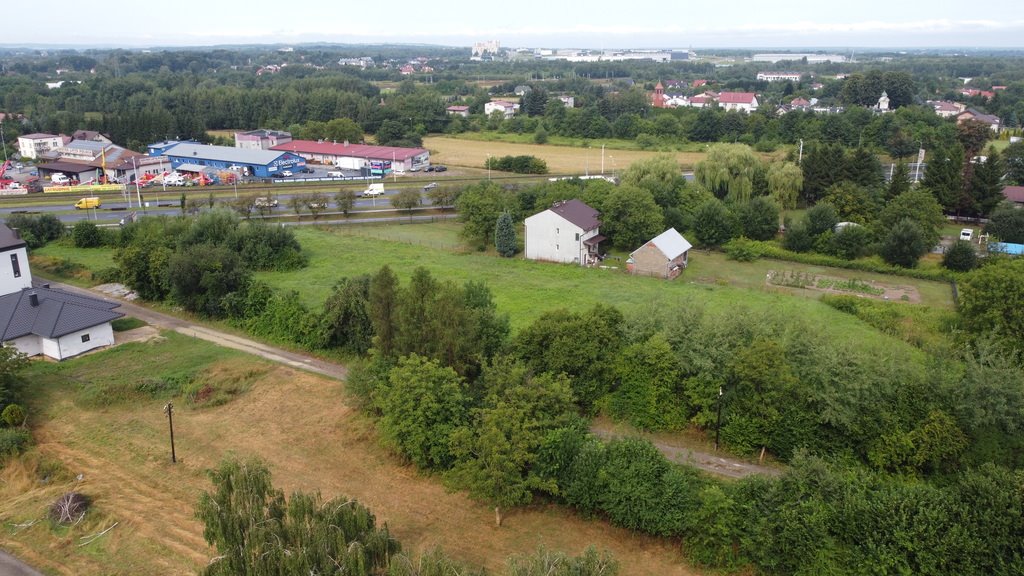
[(303, 427), (560, 159)]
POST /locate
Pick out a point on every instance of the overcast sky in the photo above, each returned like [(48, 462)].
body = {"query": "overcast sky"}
[(534, 23)]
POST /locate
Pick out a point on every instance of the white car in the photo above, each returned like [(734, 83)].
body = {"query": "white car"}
[(430, 186), (287, 173), (265, 202), (966, 234)]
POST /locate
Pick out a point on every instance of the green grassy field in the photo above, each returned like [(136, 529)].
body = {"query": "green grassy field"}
[(526, 289)]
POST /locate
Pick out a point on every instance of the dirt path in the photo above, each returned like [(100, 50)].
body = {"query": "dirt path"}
[(711, 462), (707, 461)]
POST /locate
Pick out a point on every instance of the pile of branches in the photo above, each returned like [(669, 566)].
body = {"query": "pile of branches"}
[(70, 508)]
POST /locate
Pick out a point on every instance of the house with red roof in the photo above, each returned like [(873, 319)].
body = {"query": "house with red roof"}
[(458, 111), (358, 156), (1015, 194), (743, 101)]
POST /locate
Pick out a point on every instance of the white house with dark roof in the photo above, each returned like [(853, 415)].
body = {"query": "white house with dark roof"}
[(568, 232), (37, 319)]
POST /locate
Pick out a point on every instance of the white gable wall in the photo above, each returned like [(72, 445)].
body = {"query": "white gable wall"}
[(9, 283), (553, 238), (72, 345), (30, 345)]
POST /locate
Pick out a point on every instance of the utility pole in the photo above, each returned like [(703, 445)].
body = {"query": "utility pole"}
[(718, 426), (169, 410)]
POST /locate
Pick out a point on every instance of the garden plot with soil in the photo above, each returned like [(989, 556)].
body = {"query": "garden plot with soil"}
[(849, 286)]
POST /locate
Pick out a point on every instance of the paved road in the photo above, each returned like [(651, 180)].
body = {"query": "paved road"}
[(11, 566), (708, 461)]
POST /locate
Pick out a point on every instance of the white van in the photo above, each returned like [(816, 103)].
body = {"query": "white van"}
[(966, 234), (374, 190), (174, 179), (60, 179)]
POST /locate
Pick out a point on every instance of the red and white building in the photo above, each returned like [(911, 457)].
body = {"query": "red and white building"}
[(742, 101), (358, 156), (458, 111)]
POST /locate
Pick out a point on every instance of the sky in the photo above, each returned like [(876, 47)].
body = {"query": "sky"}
[(526, 23)]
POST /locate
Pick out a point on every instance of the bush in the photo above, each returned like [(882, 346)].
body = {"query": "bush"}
[(13, 415), (518, 164), (13, 441), (872, 264), (108, 275), (758, 219), (36, 231), (904, 245), (820, 219), (742, 249), (85, 234), (960, 257), (850, 243), (798, 239), (712, 224)]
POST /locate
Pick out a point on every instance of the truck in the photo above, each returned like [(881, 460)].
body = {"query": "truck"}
[(174, 179), (86, 203), (374, 190)]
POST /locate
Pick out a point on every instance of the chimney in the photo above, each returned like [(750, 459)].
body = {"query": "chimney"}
[(33, 299)]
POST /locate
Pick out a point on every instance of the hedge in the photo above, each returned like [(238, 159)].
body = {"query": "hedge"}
[(768, 249)]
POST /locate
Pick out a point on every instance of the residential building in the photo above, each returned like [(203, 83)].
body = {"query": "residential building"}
[(363, 62), (507, 108), (568, 101), (458, 111), (742, 101), (37, 319), (947, 109), (568, 232), (261, 139), (33, 146), (91, 135), (377, 159), (778, 76), (1015, 194), (972, 114), (664, 256)]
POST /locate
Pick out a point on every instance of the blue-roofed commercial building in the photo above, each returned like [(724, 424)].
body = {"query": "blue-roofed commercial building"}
[(189, 157)]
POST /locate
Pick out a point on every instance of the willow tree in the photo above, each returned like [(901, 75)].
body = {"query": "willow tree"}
[(729, 171), (785, 181)]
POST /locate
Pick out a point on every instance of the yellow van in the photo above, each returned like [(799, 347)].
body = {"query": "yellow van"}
[(86, 203)]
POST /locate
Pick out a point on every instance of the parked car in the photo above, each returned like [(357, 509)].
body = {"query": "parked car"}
[(430, 186), (265, 202), (429, 169), (277, 175), (440, 168), (286, 174), (306, 170)]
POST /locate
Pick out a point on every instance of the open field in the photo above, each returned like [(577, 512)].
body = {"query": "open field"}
[(299, 423), (560, 159), (526, 289)]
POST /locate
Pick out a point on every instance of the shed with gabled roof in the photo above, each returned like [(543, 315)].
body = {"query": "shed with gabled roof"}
[(664, 256)]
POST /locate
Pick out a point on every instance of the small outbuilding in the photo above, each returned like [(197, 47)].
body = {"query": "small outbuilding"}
[(664, 256)]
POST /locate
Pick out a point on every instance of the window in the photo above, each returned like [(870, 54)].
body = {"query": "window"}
[(15, 266), (85, 337), (577, 237)]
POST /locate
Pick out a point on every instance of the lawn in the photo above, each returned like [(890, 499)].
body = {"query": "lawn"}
[(526, 289), (117, 453)]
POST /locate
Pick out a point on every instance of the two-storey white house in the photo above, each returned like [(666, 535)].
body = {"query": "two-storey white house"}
[(507, 108), (37, 319), (567, 232), (34, 145)]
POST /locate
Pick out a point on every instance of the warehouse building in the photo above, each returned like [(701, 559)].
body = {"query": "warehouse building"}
[(188, 157), (360, 156)]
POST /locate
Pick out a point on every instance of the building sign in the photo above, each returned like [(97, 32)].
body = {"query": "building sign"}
[(380, 167)]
